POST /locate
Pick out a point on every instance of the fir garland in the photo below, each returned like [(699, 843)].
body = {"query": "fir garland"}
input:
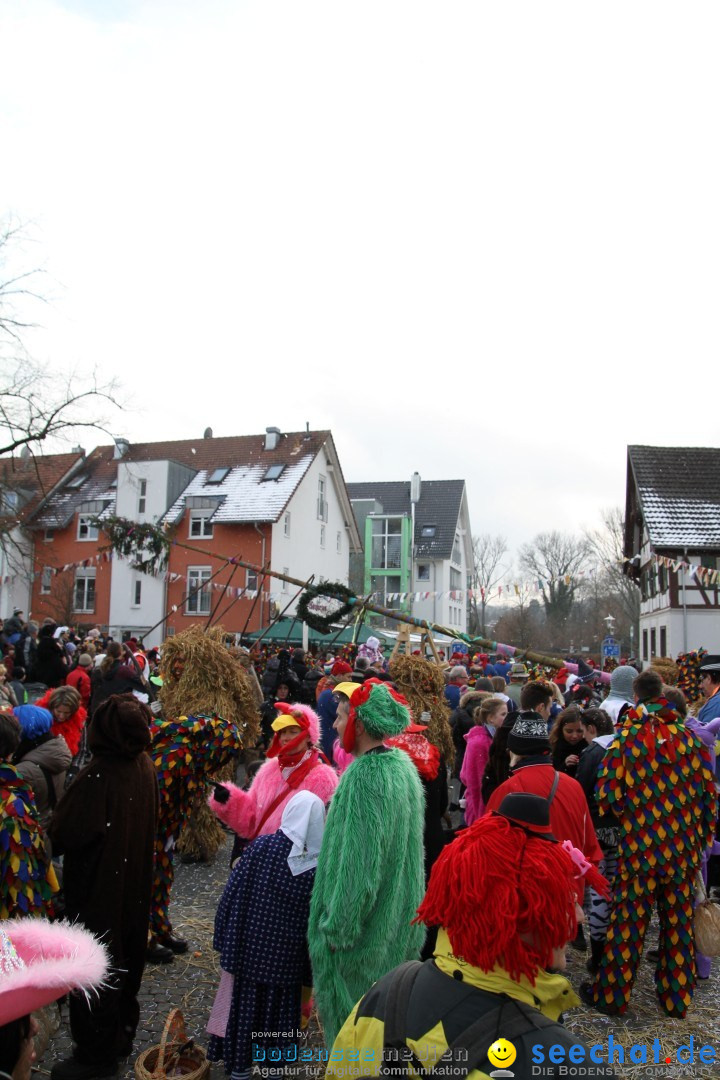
[(323, 604), (146, 545)]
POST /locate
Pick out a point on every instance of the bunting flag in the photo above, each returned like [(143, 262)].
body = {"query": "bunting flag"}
[(705, 575)]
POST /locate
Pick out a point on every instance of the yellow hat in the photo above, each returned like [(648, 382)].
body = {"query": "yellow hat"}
[(284, 721), (346, 688)]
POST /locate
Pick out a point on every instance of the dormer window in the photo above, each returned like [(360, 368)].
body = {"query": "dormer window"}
[(274, 472), (427, 532), (217, 476)]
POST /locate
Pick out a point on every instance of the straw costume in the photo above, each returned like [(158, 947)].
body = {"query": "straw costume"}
[(201, 677), (657, 779), (370, 877)]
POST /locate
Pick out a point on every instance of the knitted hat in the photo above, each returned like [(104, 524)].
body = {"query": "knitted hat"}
[(621, 682), (85, 660), (529, 735), (42, 961), (34, 720), (340, 668)]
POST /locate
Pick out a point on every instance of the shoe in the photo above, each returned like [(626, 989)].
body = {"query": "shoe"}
[(158, 954), (73, 1069), (596, 950), (587, 996), (175, 944), (188, 860)]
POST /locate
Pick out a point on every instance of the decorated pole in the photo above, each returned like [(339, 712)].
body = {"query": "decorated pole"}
[(149, 547)]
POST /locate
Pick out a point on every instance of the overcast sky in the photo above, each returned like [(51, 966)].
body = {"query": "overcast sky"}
[(478, 240)]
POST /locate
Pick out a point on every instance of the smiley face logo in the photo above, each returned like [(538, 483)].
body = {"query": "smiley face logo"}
[(502, 1053)]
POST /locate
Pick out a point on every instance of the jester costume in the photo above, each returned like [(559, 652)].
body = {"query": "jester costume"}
[(185, 752), (656, 779), (27, 880)]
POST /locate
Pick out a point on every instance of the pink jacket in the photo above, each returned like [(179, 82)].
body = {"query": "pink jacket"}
[(244, 810), (479, 741)]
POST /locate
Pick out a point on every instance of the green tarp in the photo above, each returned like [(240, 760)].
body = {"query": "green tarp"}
[(284, 630)]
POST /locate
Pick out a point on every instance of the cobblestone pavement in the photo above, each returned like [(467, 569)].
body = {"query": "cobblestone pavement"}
[(189, 983)]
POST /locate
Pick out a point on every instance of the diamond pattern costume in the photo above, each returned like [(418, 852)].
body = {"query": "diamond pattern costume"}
[(27, 880), (185, 752), (657, 780)]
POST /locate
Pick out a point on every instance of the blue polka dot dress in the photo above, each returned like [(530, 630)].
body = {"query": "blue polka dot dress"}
[(261, 934)]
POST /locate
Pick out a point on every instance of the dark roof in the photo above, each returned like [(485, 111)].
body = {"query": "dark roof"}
[(439, 505), (244, 454), (34, 477), (679, 494)]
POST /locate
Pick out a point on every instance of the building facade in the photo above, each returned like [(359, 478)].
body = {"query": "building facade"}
[(672, 546)]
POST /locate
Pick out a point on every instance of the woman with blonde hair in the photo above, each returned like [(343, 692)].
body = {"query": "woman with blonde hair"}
[(488, 717)]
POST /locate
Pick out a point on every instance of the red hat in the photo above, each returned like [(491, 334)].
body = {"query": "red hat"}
[(340, 668)]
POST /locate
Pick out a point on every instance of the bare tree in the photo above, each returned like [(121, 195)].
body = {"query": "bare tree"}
[(554, 560), (61, 601), (522, 624), (621, 592), (488, 572)]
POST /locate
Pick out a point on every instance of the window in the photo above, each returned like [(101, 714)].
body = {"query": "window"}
[(645, 645), (201, 527), (84, 590), (423, 571), (286, 525), (285, 571), (274, 472), (338, 543), (141, 498), (387, 543), (198, 591), (428, 531), (8, 501), (137, 593), (322, 536), (251, 581), (387, 588), (86, 531), (77, 481), (49, 536), (663, 641), (322, 506), (455, 578), (456, 557), (217, 476), (46, 580), (653, 641)]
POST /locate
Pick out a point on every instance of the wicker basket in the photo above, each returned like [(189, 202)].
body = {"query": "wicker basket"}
[(175, 1056)]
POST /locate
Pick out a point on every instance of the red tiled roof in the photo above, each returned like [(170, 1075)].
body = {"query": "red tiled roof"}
[(37, 475)]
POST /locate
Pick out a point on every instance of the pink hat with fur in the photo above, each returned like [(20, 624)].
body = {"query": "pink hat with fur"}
[(41, 961)]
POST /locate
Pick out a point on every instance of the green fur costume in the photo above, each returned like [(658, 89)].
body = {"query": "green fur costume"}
[(369, 883)]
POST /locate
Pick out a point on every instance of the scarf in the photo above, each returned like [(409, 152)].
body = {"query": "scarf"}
[(303, 822)]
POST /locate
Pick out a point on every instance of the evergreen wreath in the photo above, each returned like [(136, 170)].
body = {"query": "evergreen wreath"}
[(323, 604), (146, 545)]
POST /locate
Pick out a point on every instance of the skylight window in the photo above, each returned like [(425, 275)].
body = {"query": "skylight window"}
[(428, 531), (77, 481), (217, 476), (274, 472)]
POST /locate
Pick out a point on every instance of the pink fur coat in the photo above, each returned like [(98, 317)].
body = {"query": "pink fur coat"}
[(244, 810)]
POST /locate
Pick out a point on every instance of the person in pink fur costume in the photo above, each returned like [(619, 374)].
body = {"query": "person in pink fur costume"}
[(293, 764)]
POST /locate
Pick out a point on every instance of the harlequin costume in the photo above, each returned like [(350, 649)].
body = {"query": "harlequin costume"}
[(185, 752), (370, 878), (27, 880), (657, 780)]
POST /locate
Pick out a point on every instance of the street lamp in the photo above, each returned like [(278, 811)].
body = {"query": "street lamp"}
[(609, 620)]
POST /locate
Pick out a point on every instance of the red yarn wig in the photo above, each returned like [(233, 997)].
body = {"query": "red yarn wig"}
[(495, 883)]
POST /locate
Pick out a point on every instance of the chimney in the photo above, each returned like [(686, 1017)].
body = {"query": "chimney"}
[(415, 486), (121, 448), (79, 450), (272, 437)]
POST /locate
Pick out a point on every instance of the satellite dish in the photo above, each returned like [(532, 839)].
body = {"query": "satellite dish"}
[(207, 433)]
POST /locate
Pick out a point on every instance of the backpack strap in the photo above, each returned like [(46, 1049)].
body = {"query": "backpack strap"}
[(395, 1026), (50, 784), (553, 789), (476, 1039)]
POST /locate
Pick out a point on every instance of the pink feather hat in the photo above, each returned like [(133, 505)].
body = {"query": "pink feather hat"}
[(41, 961)]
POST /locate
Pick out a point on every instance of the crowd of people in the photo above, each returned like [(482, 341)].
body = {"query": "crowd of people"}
[(356, 882)]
